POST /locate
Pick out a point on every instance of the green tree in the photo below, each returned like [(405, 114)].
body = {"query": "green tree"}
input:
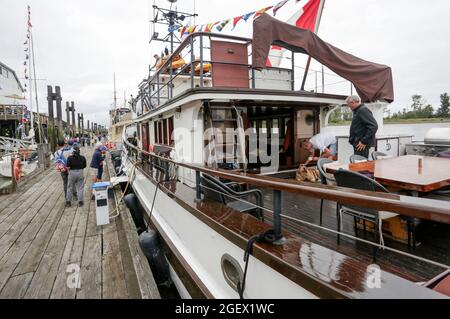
[(444, 110), (417, 102)]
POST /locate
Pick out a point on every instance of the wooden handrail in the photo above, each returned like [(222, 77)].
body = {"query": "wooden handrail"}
[(427, 209)]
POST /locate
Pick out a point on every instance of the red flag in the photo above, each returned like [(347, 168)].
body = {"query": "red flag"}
[(305, 18), (236, 20), (258, 13)]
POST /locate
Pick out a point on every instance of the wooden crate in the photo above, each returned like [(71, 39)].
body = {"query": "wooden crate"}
[(395, 228)]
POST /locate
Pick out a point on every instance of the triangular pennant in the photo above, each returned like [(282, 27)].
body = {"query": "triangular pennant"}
[(278, 6), (222, 25), (258, 13), (245, 17), (236, 20)]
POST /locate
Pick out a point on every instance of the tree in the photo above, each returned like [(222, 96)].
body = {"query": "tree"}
[(444, 110), (417, 102)]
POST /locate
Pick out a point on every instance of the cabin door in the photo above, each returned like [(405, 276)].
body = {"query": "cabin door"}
[(225, 74), (145, 136)]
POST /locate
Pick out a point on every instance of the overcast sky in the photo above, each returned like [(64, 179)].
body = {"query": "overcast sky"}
[(81, 43)]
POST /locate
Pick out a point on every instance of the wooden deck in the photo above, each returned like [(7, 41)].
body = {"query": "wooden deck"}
[(42, 243)]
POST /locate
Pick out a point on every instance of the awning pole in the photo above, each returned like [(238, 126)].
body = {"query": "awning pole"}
[(316, 29)]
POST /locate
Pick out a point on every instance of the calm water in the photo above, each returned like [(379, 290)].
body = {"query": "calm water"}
[(417, 130)]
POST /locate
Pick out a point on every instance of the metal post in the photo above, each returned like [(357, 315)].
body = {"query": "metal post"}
[(198, 193), (293, 71), (201, 61), (277, 217), (253, 79), (191, 42), (170, 84)]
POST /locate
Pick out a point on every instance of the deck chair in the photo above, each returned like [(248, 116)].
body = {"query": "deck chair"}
[(349, 179), (216, 190)]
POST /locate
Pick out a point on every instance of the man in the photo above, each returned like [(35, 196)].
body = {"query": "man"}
[(326, 143), (97, 162), (60, 160), (364, 127), (76, 163)]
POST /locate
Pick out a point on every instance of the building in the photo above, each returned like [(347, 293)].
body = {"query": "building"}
[(11, 90)]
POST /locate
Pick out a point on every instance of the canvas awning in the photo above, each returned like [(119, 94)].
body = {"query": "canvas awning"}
[(372, 81)]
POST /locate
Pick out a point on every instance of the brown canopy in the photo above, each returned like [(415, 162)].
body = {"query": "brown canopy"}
[(372, 81)]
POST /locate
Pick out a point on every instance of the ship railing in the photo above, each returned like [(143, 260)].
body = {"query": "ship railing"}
[(168, 81), (421, 208)]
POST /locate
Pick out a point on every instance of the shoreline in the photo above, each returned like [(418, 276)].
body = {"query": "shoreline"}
[(401, 121)]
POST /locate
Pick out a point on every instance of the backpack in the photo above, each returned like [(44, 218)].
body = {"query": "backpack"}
[(60, 161)]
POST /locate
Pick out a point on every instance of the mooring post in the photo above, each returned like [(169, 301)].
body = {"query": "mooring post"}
[(58, 100), (72, 109), (51, 117)]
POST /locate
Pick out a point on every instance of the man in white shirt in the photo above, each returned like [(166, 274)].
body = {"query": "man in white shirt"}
[(326, 143)]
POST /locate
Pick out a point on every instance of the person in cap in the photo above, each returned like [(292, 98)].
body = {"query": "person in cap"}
[(76, 163), (97, 163)]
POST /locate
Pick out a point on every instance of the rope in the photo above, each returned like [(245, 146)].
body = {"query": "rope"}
[(266, 237)]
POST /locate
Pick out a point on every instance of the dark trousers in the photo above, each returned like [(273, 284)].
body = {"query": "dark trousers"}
[(65, 178), (364, 153)]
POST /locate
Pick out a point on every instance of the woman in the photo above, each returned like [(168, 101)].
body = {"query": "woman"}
[(76, 163)]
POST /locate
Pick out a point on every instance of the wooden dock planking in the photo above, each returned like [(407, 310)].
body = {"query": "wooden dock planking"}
[(16, 287), (41, 238)]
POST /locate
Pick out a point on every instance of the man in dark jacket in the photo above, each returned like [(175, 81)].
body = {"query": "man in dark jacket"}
[(364, 127)]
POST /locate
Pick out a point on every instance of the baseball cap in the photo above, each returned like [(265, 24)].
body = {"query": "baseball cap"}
[(103, 148)]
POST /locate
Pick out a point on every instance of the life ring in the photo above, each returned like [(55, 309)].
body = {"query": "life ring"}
[(17, 164)]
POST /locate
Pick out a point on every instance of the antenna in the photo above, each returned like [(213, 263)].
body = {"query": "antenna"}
[(170, 19), (115, 93)]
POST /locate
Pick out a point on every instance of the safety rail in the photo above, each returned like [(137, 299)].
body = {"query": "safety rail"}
[(427, 209), (155, 91)]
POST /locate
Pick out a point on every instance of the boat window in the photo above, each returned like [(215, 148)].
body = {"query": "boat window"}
[(155, 128), (160, 133)]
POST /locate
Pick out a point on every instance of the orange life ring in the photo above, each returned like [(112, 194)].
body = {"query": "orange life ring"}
[(17, 164)]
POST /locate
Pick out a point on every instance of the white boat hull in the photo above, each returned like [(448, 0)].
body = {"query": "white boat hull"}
[(202, 248)]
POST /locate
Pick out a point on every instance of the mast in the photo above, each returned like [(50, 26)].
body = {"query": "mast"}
[(36, 90), (115, 92)]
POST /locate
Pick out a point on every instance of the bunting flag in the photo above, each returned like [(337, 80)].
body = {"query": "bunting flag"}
[(247, 16), (305, 18), (235, 21), (210, 26), (278, 6), (262, 11), (222, 25)]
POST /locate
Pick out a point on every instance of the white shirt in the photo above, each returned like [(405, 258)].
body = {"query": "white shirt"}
[(322, 140)]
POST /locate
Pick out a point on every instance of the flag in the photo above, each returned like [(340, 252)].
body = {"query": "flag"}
[(278, 6), (236, 20), (245, 17), (305, 18), (210, 26), (222, 25), (259, 12)]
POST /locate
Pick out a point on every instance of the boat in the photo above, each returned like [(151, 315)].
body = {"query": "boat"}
[(214, 171)]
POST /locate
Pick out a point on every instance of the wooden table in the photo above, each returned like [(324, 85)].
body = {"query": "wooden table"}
[(404, 172)]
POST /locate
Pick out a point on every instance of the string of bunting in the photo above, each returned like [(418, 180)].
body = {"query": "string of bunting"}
[(220, 25), (27, 48)]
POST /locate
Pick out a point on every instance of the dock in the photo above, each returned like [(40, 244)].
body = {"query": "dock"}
[(48, 251)]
